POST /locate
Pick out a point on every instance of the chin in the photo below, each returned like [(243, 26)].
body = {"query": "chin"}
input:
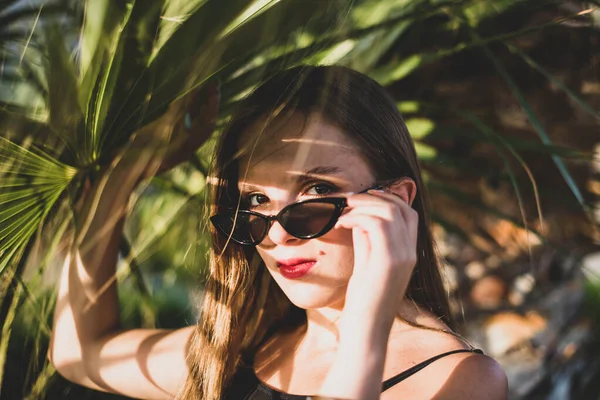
[(308, 297)]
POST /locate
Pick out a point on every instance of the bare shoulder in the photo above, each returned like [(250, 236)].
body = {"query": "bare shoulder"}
[(473, 376), (463, 375), (459, 376)]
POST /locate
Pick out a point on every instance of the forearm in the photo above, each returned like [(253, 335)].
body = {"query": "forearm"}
[(357, 370), (87, 306)]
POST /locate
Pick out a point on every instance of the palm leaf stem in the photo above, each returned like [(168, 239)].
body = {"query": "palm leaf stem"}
[(513, 180), (296, 55), (537, 126), (35, 22), (10, 302), (498, 139), (46, 10), (533, 119), (8, 318), (40, 385), (426, 58), (559, 84)]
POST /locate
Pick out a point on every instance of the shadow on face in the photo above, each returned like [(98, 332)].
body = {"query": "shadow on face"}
[(292, 159)]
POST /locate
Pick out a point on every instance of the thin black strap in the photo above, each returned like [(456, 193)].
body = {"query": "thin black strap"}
[(413, 370)]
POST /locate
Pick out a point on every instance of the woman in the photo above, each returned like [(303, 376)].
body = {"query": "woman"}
[(323, 276)]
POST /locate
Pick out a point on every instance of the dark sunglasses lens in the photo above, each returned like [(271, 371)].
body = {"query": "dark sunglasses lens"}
[(249, 228), (308, 219)]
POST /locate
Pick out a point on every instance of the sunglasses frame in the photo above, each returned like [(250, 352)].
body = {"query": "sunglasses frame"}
[(339, 202)]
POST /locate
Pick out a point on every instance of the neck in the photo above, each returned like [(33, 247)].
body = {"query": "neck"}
[(322, 325), (322, 329)]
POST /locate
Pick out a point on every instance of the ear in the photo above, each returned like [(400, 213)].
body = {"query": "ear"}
[(405, 188)]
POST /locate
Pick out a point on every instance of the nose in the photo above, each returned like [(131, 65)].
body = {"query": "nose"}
[(278, 236)]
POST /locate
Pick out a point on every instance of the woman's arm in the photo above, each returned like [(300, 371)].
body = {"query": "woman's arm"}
[(88, 345)]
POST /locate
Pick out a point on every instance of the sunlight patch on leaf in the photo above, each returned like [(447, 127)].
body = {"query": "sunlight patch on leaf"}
[(425, 151), (253, 11), (479, 11), (372, 12), (174, 14), (338, 51), (408, 107), (397, 71), (419, 128)]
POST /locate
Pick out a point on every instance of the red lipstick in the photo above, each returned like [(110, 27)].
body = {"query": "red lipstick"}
[(295, 268)]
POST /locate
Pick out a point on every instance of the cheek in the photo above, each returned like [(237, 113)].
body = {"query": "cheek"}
[(338, 250), (337, 237)]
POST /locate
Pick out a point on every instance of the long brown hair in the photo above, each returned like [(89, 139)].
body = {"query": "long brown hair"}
[(242, 305)]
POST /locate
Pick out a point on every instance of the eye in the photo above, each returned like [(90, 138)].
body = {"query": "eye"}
[(321, 189), (256, 199)]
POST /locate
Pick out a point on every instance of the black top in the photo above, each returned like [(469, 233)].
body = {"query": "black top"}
[(246, 386)]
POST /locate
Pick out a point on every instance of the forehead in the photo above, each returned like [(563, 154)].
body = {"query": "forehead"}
[(288, 147)]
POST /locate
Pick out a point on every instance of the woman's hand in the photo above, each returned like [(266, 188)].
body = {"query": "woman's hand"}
[(384, 229)]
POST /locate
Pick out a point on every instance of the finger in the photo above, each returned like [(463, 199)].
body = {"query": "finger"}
[(385, 208), (391, 206), (380, 195), (406, 208), (380, 229), (383, 212), (388, 195), (384, 241), (391, 228)]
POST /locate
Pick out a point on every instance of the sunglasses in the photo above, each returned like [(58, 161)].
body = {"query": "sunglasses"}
[(308, 219)]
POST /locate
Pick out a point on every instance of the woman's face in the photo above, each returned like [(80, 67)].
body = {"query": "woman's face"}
[(297, 159)]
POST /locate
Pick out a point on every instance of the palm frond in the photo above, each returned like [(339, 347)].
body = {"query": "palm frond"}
[(558, 83), (32, 182), (560, 165)]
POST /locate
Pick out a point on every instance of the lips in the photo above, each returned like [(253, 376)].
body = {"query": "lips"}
[(295, 268)]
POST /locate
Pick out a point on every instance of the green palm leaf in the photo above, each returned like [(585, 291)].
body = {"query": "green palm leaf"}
[(558, 83), (32, 182), (560, 165)]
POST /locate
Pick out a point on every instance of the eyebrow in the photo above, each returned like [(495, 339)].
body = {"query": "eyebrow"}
[(316, 173), (321, 172)]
